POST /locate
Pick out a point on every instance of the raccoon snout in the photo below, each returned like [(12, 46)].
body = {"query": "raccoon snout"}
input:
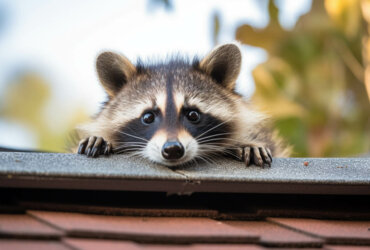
[(173, 150)]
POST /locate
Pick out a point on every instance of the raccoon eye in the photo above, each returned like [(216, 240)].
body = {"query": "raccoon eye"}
[(193, 116), (148, 118)]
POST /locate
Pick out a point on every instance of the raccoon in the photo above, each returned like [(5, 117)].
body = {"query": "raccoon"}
[(177, 112)]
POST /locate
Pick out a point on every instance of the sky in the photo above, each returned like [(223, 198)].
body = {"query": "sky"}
[(61, 40)]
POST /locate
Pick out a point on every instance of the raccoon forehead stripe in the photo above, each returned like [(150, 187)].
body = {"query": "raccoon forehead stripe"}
[(171, 114)]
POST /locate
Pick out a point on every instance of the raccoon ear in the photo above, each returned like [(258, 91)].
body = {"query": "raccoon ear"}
[(223, 64), (114, 71)]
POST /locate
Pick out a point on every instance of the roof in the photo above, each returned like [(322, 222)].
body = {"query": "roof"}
[(120, 172), (65, 201)]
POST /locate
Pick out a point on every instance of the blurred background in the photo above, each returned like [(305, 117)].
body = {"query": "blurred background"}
[(306, 63)]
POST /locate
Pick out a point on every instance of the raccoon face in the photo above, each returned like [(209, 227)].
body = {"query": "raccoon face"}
[(174, 112)]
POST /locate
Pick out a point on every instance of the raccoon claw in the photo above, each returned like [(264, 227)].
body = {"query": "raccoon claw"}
[(260, 156), (94, 146)]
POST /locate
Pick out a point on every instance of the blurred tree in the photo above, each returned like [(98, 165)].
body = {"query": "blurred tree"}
[(313, 81), (365, 7), (24, 101), (216, 27)]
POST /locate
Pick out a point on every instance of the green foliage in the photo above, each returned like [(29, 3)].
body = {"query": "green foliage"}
[(312, 83)]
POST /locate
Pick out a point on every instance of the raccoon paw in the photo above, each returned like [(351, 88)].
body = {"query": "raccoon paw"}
[(259, 156), (94, 146)]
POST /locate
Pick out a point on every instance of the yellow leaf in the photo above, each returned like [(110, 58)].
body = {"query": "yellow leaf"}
[(269, 98), (345, 14)]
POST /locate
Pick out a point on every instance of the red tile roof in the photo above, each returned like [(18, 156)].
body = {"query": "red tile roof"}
[(207, 207), (24, 226), (145, 229), (333, 231), (16, 244), (72, 219), (37, 229), (271, 234), (91, 244)]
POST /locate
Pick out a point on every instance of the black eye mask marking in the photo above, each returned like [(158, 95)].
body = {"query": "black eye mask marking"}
[(134, 134), (207, 126)]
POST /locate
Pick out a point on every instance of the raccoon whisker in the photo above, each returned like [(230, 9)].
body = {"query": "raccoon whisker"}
[(211, 157), (196, 160), (234, 145), (206, 159), (192, 161), (213, 136), (221, 146), (213, 154), (137, 137), (211, 147), (218, 144), (132, 143), (221, 140), (214, 144), (138, 142), (215, 151), (131, 146), (231, 153), (240, 142), (125, 149), (215, 140), (134, 154), (212, 128), (218, 141), (126, 152), (122, 145), (137, 153), (210, 136), (188, 163)]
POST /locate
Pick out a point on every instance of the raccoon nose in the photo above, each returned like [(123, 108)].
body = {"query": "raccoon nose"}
[(172, 150)]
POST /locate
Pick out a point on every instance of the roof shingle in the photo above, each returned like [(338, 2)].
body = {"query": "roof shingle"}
[(12, 244), (100, 204), (152, 229), (333, 231), (119, 172), (276, 236), (22, 225)]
